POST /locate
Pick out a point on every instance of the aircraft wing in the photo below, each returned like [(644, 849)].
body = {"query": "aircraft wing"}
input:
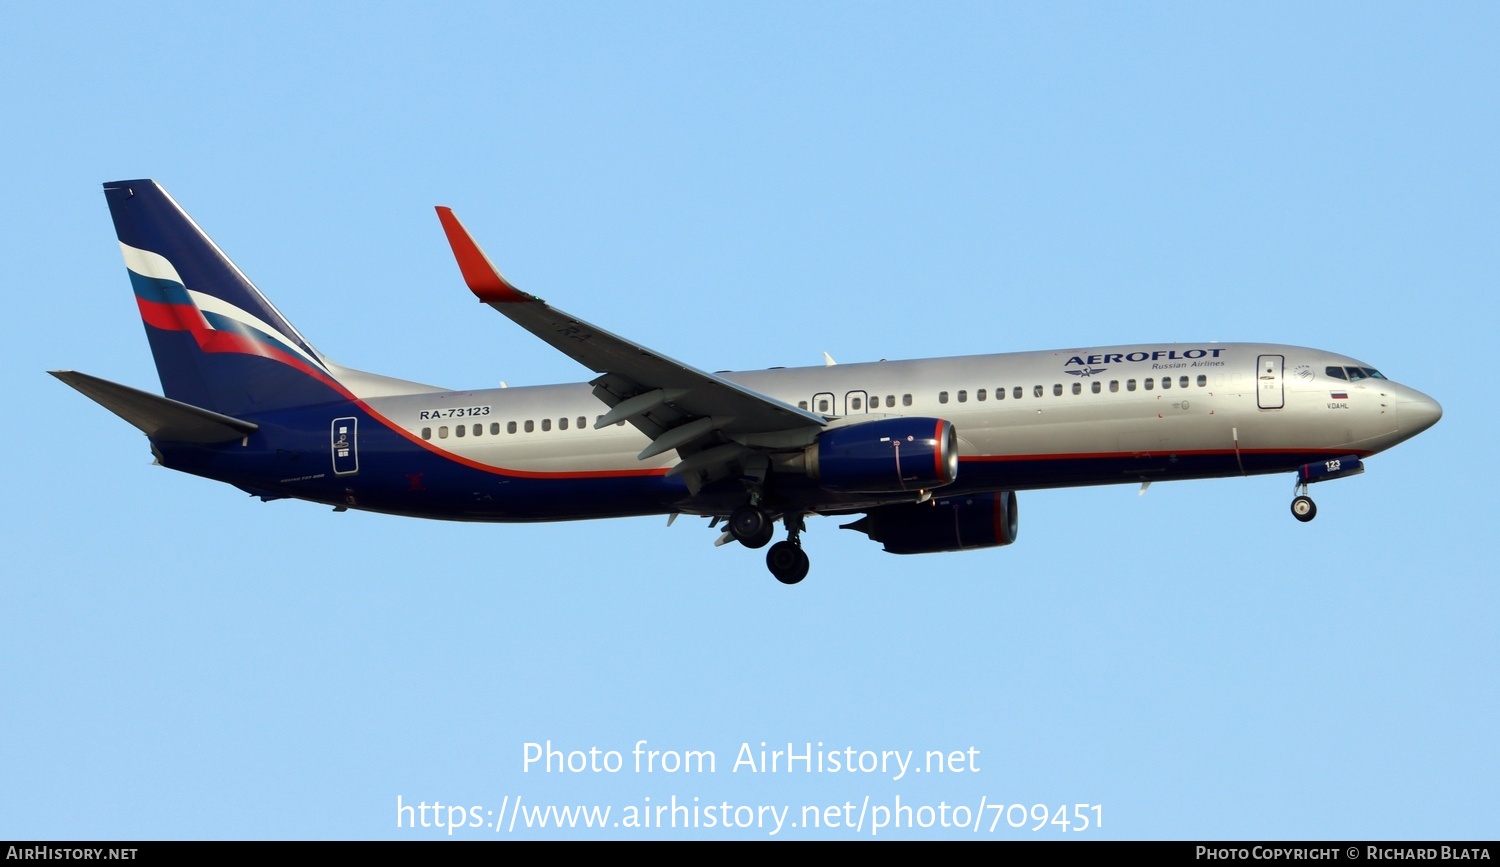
[(713, 424)]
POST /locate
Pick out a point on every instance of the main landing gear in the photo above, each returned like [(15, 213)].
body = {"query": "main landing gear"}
[(753, 528), (786, 560), (1303, 508)]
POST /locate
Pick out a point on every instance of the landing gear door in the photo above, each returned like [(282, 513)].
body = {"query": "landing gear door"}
[(1269, 393), (345, 443)]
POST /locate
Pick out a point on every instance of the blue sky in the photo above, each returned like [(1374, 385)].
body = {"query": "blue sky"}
[(743, 187)]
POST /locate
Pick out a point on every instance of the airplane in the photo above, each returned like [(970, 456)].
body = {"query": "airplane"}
[(929, 453)]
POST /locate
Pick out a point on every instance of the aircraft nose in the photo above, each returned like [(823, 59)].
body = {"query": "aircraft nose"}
[(1417, 412)]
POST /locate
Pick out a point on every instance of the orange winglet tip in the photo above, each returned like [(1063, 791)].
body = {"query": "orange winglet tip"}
[(484, 279)]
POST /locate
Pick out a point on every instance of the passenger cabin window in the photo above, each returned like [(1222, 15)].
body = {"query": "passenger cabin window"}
[(854, 404), (1000, 394), (1114, 385), (1182, 382), (478, 430), (1149, 383), (1078, 388), (906, 400), (530, 425), (823, 405), (1096, 387), (942, 397), (582, 422), (426, 433), (980, 395), (546, 424), (890, 401), (494, 428), (802, 404), (1166, 382), (562, 423), (1202, 380), (963, 395), (443, 432), (1038, 390), (459, 430), (1130, 385), (1017, 392), (1057, 389), (510, 427)]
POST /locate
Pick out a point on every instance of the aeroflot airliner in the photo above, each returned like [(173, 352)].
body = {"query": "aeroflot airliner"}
[(930, 452)]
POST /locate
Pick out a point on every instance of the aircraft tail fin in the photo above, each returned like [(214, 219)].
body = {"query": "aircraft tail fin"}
[(160, 418), (218, 343)]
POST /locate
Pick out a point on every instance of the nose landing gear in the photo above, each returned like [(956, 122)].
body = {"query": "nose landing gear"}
[(1303, 508), (1324, 470)]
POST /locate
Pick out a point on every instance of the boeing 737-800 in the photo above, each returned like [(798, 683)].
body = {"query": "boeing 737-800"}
[(930, 452)]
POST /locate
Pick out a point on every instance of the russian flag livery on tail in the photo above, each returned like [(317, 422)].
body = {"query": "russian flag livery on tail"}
[(218, 342), (929, 451)]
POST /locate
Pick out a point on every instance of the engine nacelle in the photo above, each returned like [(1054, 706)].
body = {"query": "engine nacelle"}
[(885, 456), (946, 524)]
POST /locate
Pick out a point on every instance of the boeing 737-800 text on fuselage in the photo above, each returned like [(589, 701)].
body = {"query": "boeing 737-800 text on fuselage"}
[(931, 452)]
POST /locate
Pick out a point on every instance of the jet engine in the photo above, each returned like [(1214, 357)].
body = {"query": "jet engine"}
[(986, 520), (884, 456)]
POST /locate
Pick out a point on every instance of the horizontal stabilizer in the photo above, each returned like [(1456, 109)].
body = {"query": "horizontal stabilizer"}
[(158, 417)]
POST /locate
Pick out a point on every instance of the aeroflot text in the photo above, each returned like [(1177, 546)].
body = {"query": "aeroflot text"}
[(1155, 355), (804, 758)]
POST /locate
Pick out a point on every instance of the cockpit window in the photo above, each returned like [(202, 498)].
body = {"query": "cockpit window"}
[(1355, 374), (1335, 372), (1373, 373)]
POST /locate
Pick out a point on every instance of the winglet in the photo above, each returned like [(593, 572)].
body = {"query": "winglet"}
[(484, 279)]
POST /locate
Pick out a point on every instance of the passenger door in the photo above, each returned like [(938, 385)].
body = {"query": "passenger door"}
[(1269, 393)]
